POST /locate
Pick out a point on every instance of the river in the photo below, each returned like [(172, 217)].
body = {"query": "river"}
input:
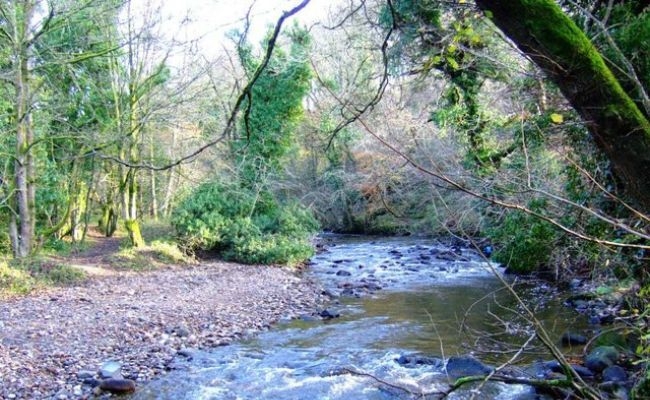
[(400, 307)]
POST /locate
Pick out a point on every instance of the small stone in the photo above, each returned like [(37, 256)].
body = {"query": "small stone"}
[(414, 361), (109, 369), (343, 273), (117, 386), (83, 375), (187, 353), (181, 331), (326, 314)]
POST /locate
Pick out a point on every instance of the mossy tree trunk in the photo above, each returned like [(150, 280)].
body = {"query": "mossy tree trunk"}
[(555, 43), (108, 220), (133, 228)]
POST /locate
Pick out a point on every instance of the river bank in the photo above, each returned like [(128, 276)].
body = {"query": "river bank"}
[(53, 344)]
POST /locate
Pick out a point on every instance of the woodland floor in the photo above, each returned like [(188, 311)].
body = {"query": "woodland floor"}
[(53, 343)]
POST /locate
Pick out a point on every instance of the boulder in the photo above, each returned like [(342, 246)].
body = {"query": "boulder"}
[(117, 386), (458, 367), (601, 357)]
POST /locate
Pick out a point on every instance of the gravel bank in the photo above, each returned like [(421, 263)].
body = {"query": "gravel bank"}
[(53, 342)]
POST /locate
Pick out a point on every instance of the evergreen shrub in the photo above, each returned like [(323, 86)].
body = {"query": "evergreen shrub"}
[(244, 224)]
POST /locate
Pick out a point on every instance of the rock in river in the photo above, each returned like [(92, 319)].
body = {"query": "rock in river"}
[(570, 338), (614, 374), (458, 367), (415, 360), (601, 357)]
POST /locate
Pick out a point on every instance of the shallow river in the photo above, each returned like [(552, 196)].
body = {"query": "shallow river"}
[(397, 298)]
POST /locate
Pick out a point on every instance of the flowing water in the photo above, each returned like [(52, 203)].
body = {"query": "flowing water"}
[(399, 300)]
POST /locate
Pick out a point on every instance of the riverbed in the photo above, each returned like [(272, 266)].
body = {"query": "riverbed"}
[(400, 307)]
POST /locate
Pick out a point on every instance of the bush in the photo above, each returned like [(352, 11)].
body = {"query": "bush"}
[(244, 225), (524, 243)]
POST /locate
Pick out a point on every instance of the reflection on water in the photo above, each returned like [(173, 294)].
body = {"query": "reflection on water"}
[(427, 305)]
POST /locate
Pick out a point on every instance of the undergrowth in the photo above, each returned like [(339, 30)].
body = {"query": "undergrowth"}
[(19, 277), (161, 249)]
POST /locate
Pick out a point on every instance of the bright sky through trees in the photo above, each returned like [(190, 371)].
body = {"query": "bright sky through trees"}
[(208, 21)]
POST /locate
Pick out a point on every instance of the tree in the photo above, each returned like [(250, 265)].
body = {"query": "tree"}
[(28, 31), (136, 75), (269, 125), (548, 36)]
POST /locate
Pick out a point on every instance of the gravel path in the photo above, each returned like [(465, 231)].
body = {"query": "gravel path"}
[(53, 344)]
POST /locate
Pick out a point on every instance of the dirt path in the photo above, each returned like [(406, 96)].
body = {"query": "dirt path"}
[(53, 344)]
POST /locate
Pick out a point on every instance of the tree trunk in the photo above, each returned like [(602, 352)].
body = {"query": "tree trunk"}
[(153, 207), (555, 43), (23, 165), (165, 209)]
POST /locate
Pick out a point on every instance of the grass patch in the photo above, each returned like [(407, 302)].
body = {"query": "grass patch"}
[(62, 247), (156, 255), (161, 249), (19, 277)]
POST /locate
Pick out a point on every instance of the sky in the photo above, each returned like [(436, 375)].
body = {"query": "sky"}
[(210, 20)]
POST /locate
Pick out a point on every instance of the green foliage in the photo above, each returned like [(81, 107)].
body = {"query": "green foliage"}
[(244, 225), (525, 243), (244, 220), (275, 109), (14, 281)]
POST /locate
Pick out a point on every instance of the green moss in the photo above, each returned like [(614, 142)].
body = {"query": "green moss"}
[(133, 228), (573, 55)]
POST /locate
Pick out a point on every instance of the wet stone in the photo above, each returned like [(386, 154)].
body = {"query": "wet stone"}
[(458, 367), (327, 314), (570, 338), (414, 360), (614, 373), (584, 373), (601, 357)]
